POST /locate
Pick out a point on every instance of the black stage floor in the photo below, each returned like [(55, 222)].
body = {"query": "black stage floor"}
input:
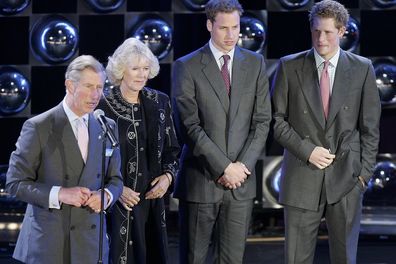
[(372, 250)]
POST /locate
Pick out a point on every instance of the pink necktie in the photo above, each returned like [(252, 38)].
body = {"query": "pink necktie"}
[(82, 138), (225, 74), (325, 88)]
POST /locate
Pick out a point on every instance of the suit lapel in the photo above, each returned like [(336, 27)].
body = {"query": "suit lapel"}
[(309, 83), (238, 79), (212, 73), (71, 152), (342, 77)]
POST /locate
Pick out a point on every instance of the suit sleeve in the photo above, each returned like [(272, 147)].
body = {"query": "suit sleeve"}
[(187, 116), (261, 118), (283, 131), (22, 179), (369, 118), (114, 181)]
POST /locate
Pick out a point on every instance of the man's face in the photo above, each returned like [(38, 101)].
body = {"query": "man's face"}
[(224, 31), (326, 37), (83, 96)]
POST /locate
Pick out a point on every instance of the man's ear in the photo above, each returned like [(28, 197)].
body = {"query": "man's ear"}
[(69, 86), (341, 31), (209, 25)]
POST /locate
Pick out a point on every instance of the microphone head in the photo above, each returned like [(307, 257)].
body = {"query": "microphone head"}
[(97, 113)]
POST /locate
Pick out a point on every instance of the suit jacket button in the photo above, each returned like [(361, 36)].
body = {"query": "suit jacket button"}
[(306, 136), (130, 242), (346, 107), (66, 177), (72, 228), (98, 175), (305, 112), (93, 226)]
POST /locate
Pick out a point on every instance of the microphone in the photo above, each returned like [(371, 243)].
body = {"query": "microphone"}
[(99, 115)]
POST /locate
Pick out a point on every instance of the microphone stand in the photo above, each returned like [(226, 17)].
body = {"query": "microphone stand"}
[(102, 191)]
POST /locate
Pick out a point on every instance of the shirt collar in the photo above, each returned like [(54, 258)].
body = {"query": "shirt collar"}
[(217, 53), (333, 61), (71, 116)]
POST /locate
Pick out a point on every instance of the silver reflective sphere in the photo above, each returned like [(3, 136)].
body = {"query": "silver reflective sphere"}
[(104, 6), (54, 39), (384, 3), (156, 34), (382, 186), (293, 4), (386, 81), (195, 5), (14, 91), (350, 39), (11, 7), (252, 35)]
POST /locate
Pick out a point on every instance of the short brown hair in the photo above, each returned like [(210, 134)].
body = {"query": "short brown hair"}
[(213, 7), (330, 9)]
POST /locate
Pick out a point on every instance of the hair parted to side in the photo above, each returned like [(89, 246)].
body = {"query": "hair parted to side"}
[(330, 9), (130, 49), (73, 71), (213, 7)]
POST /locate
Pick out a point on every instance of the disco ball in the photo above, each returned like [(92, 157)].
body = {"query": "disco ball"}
[(11, 7), (384, 3), (252, 34), (386, 81), (382, 186), (195, 5), (107, 87), (350, 39), (54, 39), (293, 4), (14, 91), (156, 34), (104, 6)]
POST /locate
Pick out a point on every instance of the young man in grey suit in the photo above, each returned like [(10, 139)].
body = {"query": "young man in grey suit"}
[(327, 112), (222, 109), (56, 169)]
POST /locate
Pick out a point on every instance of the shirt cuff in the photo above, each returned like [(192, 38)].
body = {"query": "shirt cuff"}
[(54, 198), (110, 200)]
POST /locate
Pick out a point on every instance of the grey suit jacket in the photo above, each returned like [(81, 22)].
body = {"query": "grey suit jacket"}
[(218, 129), (351, 131), (48, 155)]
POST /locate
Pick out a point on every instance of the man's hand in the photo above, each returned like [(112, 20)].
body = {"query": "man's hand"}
[(321, 157), (129, 198), (234, 175), (94, 201), (76, 196), (159, 187)]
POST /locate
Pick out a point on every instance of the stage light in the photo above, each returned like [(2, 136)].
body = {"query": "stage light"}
[(12, 7), (156, 34), (14, 91), (385, 72), (104, 6), (252, 34), (384, 3), (350, 39), (293, 4), (195, 5), (271, 181), (382, 186), (54, 39)]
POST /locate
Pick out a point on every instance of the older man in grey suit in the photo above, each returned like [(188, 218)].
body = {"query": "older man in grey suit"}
[(56, 169), (326, 111), (223, 110)]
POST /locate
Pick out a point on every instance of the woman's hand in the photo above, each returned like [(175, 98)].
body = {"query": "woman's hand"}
[(160, 186), (129, 198)]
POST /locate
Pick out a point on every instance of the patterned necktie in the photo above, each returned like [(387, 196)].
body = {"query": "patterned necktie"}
[(225, 74), (325, 88), (82, 137)]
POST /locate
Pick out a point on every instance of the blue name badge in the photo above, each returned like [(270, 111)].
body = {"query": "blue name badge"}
[(109, 152)]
